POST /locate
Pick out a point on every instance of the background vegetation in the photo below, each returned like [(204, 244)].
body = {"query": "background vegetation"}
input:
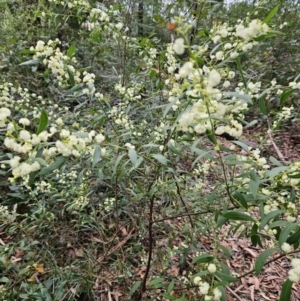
[(136, 137)]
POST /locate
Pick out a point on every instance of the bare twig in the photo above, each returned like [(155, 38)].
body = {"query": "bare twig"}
[(184, 204), (230, 290), (279, 153)]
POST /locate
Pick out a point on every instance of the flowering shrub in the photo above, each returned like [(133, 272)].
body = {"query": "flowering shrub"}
[(123, 162)]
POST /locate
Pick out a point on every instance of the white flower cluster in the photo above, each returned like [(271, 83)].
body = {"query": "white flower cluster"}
[(284, 115), (61, 66), (149, 57), (204, 290), (98, 15), (72, 3), (294, 273), (24, 142), (255, 28), (109, 204), (260, 161), (130, 93), (171, 62), (227, 36), (286, 248), (178, 46), (4, 113), (205, 111)]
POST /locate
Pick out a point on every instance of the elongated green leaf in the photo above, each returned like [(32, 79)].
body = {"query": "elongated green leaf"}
[(268, 217), (244, 97), (172, 148), (294, 238), (100, 174), (171, 286), (58, 163), (238, 216), (241, 199), (138, 162), (262, 105), (71, 50), (226, 277), (286, 232), (239, 66), (286, 291), (132, 156), (97, 155), (117, 163), (43, 122), (156, 281), (30, 62), (134, 287), (41, 161), (278, 224), (71, 76), (285, 95), (271, 14), (210, 135), (262, 258), (226, 251), (203, 258), (276, 170), (294, 176), (161, 159), (254, 185)]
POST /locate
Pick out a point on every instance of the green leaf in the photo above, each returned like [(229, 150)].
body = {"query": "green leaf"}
[(238, 216), (286, 291), (286, 232), (226, 251), (41, 161), (210, 135), (30, 62), (262, 105), (43, 122), (174, 150), (294, 238), (276, 170), (285, 95), (116, 164), (262, 258), (226, 277), (221, 221), (271, 14), (242, 145), (71, 51), (97, 155), (254, 183), (171, 286), (255, 239), (71, 76), (132, 156), (58, 163), (241, 199), (268, 217), (100, 174), (156, 281), (204, 258), (160, 158), (239, 66), (134, 287)]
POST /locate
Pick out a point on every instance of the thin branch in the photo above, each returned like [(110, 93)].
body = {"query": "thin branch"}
[(270, 261), (184, 204), (230, 290), (279, 153)]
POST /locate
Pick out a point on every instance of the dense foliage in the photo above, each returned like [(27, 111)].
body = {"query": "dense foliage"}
[(113, 160)]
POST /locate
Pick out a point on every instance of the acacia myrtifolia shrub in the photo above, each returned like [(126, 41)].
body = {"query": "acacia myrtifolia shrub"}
[(150, 152)]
